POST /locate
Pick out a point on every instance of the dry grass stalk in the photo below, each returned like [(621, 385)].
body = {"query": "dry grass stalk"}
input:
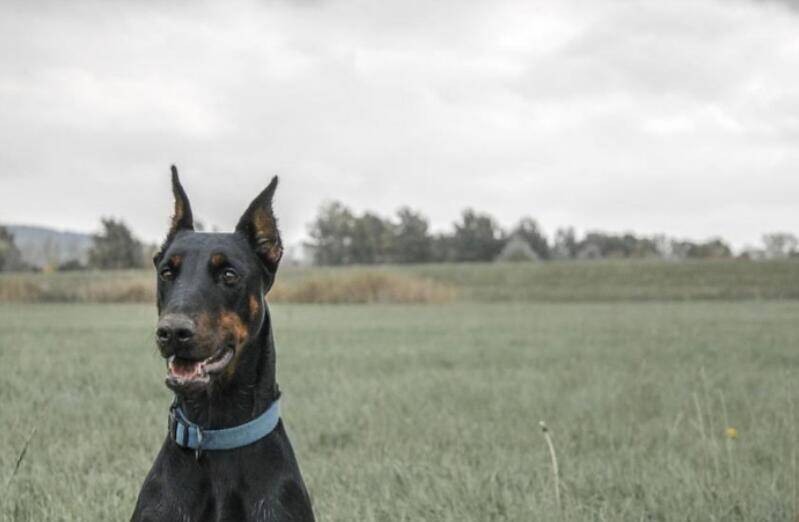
[(364, 287), (554, 461), (729, 441), (21, 457), (701, 424), (713, 439), (792, 416), (19, 290)]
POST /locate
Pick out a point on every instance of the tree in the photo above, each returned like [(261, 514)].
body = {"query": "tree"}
[(642, 246), (115, 247), (665, 247), (10, 256), (529, 231), (680, 249), (340, 237), (72, 265), (618, 246), (371, 239), (412, 240), (477, 237), (331, 233), (779, 245), (712, 249), (516, 249), (442, 248), (565, 244)]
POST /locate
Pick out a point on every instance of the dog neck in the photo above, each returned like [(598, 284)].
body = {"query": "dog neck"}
[(251, 391)]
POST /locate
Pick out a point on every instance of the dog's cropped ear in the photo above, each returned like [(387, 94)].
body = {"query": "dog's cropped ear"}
[(259, 225), (182, 218)]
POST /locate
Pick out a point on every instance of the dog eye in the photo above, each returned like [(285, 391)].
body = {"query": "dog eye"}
[(229, 276), (167, 274)]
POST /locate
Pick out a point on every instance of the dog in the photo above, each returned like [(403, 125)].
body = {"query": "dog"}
[(226, 455)]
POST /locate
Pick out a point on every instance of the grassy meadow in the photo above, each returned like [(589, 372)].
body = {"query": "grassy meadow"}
[(569, 281), (429, 409)]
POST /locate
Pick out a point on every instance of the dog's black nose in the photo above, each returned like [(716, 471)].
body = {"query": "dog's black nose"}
[(174, 332), (165, 334)]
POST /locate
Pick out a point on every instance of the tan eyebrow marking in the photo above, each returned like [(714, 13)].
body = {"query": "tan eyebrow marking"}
[(176, 260), (217, 260)]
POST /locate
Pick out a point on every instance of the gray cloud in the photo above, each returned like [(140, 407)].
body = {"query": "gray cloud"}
[(792, 4), (619, 115)]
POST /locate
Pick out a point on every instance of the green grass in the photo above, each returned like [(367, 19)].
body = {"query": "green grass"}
[(431, 412), (564, 281), (620, 280)]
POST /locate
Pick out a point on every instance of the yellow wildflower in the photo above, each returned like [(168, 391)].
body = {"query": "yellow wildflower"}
[(731, 433)]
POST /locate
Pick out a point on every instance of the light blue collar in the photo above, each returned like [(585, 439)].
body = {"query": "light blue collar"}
[(189, 435)]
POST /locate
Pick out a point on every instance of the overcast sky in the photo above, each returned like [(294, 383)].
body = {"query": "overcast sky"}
[(652, 116)]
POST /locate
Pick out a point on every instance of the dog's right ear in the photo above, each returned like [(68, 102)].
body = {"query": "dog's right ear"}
[(182, 218)]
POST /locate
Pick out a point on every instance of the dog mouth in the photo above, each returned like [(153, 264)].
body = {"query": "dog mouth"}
[(183, 373)]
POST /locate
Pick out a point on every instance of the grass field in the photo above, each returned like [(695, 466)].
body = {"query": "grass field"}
[(430, 412), (569, 281)]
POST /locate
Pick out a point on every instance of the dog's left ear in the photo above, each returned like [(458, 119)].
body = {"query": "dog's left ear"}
[(259, 225)]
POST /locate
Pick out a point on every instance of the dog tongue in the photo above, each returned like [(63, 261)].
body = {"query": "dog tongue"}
[(183, 368)]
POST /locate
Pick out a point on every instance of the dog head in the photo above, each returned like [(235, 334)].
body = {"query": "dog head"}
[(212, 292)]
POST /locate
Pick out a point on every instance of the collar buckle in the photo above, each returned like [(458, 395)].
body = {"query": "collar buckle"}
[(172, 424), (198, 452)]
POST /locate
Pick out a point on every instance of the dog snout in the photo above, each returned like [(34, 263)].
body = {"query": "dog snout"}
[(175, 333)]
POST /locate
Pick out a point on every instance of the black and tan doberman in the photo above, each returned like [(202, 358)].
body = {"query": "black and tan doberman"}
[(226, 455)]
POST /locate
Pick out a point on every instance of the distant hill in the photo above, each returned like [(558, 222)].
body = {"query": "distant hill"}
[(41, 246)]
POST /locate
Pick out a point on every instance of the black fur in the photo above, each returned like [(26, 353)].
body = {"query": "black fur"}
[(211, 300)]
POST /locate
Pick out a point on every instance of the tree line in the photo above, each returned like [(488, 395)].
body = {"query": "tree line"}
[(339, 236), (114, 247)]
